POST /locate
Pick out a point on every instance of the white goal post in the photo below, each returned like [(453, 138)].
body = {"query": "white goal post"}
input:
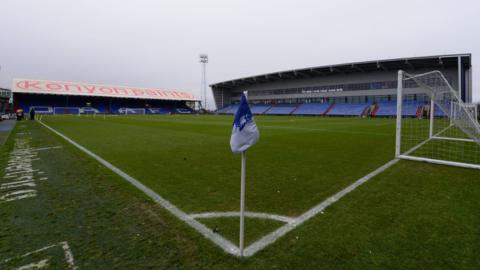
[(433, 124)]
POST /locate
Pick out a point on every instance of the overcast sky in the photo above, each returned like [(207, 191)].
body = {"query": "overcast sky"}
[(157, 43)]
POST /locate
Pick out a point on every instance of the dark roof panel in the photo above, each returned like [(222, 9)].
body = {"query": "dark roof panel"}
[(437, 61)]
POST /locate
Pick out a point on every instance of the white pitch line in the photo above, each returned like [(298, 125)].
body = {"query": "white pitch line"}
[(273, 236), (38, 265), (247, 214), (47, 148), (66, 249), (223, 243)]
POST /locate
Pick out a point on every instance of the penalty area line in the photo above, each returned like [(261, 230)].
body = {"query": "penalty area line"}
[(223, 243)]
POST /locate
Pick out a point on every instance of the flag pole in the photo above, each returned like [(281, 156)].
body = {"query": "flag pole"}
[(242, 202)]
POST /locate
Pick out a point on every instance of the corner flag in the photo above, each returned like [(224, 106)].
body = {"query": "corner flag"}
[(244, 132)]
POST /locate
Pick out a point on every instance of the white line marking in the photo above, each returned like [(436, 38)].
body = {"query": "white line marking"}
[(453, 139), (47, 148), (226, 245), (18, 195), (66, 249), (273, 236), (247, 214), (19, 173), (68, 255), (38, 265)]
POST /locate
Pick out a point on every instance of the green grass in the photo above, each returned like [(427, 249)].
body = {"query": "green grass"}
[(413, 216), (297, 163)]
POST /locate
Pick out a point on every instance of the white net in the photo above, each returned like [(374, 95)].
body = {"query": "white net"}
[(470, 108), (435, 125)]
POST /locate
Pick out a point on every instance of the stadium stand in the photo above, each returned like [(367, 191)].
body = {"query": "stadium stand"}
[(282, 109), (57, 97), (367, 89), (312, 109), (183, 110), (229, 109), (380, 109), (56, 110), (348, 109), (224, 110), (412, 108), (53, 104), (387, 108), (438, 111), (42, 109), (259, 108)]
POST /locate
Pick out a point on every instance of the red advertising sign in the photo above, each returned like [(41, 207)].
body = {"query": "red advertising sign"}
[(88, 89)]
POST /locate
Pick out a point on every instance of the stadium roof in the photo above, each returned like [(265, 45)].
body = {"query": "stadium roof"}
[(87, 89), (412, 63)]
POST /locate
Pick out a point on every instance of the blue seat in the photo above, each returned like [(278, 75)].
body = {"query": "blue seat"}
[(312, 109), (259, 108), (348, 109), (284, 109)]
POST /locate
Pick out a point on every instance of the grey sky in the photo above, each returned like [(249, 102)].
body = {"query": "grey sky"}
[(156, 43)]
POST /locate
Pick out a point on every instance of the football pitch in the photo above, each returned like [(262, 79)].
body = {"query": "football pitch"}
[(320, 193)]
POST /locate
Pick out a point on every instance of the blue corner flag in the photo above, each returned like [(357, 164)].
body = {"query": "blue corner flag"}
[(245, 132)]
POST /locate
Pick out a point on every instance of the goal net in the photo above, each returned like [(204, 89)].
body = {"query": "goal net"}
[(472, 109), (433, 123), (131, 111)]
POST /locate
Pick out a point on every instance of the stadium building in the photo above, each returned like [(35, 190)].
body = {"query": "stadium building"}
[(352, 89), (56, 97), (5, 98)]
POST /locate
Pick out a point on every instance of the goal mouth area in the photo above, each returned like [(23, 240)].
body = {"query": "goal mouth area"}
[(449, 151), (433, 124)]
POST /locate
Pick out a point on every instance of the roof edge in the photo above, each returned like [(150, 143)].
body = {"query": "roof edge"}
[(345, 64)]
